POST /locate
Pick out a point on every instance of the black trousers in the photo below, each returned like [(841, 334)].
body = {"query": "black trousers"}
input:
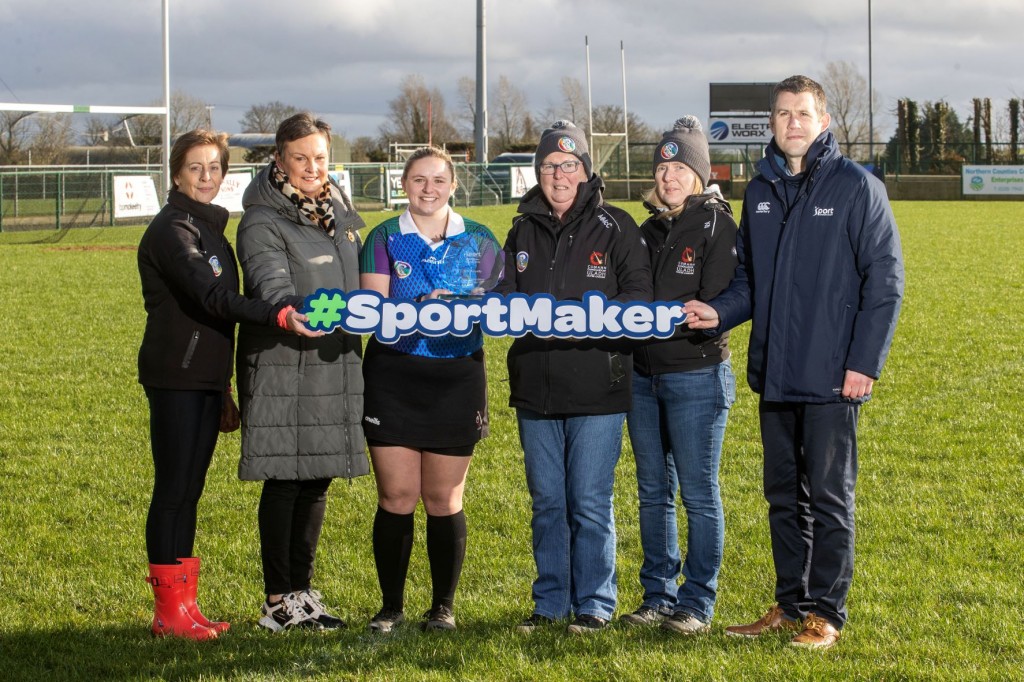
[(810, 471), (291, 516), (183, 430)]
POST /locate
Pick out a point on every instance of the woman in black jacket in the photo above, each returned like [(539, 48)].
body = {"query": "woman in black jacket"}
[(682, 389), (571, 396), (190, 287)]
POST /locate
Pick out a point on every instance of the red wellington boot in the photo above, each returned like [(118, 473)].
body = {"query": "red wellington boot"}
[(170, 617), (191, 566)]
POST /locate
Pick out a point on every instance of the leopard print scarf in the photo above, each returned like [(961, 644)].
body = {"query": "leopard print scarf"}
[(319, 209)]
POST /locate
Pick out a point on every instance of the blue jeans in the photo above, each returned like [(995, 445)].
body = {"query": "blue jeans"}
[(570, 471), (676, 426)]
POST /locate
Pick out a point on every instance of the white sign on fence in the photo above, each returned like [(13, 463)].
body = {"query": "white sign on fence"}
[(135, 197), (231, 191), (992, 179), (343, 179), (523, 178)]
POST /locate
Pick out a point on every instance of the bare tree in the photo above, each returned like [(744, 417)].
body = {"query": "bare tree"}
[(575, 103), (13, 135), (509, 115), (366, 148), (264, 118), (417, 115), (187, 113), (608, 119), (53, 137), (847, 93), (465, 116)]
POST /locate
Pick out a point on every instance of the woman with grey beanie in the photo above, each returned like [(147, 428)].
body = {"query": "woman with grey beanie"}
[(682, 389), (571, 396)]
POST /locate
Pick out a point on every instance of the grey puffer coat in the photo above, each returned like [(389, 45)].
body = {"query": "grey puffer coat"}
[(301, 398)]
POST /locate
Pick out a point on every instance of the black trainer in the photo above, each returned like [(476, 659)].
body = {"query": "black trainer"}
[(439, 618), (646, 616), (533, 622), (586, 624), (386, 620)]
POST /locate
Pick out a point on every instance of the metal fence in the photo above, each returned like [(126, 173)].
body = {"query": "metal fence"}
[(60, 197), (35, 197)]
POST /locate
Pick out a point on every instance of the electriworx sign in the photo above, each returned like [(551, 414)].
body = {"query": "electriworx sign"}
[(740, 129)]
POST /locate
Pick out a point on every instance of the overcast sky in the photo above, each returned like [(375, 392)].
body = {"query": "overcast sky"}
[(344, 59)]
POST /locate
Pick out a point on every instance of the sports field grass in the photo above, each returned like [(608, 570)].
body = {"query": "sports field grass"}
[(938, 591)]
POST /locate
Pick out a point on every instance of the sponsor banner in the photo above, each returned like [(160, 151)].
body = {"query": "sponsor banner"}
[(721, 171), (231, 190), (523, 178), (343, 179), (135, 197), (992, 179), (396, 195), (739, 129), (593, 317)]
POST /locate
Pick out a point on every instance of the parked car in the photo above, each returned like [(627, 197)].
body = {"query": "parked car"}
[(498, 173)]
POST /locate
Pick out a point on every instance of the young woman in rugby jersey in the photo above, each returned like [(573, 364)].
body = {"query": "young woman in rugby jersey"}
[(426, 397)]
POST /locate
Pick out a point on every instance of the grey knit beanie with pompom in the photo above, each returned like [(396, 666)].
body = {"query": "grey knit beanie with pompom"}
[(685, 143)]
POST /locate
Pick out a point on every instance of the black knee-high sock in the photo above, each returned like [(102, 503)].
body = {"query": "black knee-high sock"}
[(446, 549), (392, 546)]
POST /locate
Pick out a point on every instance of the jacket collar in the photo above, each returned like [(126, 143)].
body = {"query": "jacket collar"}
[(590, 195), (823, 150), (213, 215)]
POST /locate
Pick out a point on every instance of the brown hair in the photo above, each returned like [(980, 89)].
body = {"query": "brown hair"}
[(435, 152), (798, 84), (298, 126), (197, 138)]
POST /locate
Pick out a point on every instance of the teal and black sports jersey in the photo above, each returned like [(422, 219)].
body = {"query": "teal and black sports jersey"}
[(397, 249)]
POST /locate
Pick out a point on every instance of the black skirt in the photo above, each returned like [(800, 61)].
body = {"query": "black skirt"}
[(423, 403)]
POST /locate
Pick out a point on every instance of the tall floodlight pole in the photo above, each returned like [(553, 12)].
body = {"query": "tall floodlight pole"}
[(871, 97), (625, 117), (167, 97), (590, 103), (481, 82)]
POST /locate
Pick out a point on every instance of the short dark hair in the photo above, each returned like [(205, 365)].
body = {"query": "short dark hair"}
[(198, 138), (796, 85), (298, 126)]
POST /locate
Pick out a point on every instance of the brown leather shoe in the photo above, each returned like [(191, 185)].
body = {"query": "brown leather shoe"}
[(773, 621), (818, 633)]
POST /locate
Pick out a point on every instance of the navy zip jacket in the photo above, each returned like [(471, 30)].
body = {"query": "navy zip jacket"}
[(820, 275), (693, 256), (597, 247)]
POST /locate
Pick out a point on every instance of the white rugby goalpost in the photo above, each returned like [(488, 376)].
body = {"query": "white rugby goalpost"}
[(165, 110)]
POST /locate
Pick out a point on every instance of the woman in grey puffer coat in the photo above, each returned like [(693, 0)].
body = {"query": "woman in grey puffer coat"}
[(301, 400)]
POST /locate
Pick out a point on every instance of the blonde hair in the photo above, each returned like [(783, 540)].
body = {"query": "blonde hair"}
[(652, 198)]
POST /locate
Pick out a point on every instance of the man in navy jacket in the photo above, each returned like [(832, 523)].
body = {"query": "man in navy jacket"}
[(820, 275)]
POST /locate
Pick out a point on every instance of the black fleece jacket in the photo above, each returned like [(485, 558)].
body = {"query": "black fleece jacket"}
[(595, 247), (190, 289), (693, 256)]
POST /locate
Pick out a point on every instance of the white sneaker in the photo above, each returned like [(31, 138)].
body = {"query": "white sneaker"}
[(285, 615), (312, 603)]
